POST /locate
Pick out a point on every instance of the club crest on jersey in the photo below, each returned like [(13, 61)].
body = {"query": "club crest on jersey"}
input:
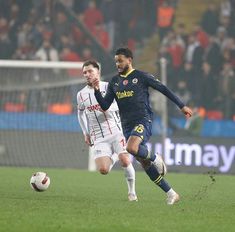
[(135, 80), (125, 82)]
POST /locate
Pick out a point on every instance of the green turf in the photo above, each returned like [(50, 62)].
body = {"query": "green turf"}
[(83, 201)]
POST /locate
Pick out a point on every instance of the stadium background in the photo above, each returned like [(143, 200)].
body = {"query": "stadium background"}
[(38, 125)]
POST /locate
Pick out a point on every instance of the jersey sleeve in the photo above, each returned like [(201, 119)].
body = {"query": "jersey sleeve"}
[(156, 84), (81, 115), (107, 100)]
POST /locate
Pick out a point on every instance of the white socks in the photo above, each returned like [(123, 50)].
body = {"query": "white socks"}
[(171, 192), (130, 178)]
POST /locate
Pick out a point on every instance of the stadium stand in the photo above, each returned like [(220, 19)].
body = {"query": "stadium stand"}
[(200, 52)]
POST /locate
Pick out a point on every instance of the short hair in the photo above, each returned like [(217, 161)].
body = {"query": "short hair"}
[(124, 51), (91, 62)]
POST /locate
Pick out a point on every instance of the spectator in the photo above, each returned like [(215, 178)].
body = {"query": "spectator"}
[(6, 46), (225, 8), (201, 36), (66, 41), (102, 36), (194, 52), (47, 52), (163, 53), (170, 35), (25, 52), (176, 52), (191, 77), (165, 17), (212, 55), (210, 19), (61, 27), (222, 38), (207, 83), (226, 91), (14, 23), (92, 16), (226, 22), (181, 35)]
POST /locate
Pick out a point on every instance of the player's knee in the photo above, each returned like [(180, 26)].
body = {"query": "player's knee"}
[(124, 160), (132, 149), (104, 170)]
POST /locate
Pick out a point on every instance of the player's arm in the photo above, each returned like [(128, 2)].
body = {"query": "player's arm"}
[(156, 84), (107, 100), (82, 119)]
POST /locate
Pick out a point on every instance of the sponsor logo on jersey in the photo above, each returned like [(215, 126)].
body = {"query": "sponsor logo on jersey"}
[(125, 94), (94, 108)]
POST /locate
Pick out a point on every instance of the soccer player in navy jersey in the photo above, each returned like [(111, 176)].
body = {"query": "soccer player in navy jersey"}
[(130, 90)]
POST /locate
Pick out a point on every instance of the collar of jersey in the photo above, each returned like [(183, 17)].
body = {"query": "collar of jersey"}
[(127, 73)]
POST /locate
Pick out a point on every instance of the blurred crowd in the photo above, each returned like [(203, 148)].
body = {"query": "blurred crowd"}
[(32, 29), (42, 30), (201, 63)]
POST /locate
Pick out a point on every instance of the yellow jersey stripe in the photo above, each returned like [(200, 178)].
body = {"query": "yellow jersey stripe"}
[(127, 73)]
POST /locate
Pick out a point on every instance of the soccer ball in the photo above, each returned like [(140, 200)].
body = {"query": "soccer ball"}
[(40, 181)]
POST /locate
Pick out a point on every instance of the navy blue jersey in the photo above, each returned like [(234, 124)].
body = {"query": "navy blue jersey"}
[(132, 96)]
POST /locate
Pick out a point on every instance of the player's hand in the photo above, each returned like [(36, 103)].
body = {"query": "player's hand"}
[(96, 84), (187, 111), (88, 140)]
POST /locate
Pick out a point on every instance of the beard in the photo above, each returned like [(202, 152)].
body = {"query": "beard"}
[(125, 69)]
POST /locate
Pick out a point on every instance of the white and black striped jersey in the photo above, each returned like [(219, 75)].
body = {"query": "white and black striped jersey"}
[(93, 120)]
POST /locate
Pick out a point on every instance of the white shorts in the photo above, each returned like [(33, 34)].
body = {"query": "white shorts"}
[(112, 144)]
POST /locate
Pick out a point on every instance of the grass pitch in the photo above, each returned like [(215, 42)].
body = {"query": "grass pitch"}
[(81, 201)]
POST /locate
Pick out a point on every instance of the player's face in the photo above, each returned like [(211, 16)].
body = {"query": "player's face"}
[(123, 64), (90, 73)]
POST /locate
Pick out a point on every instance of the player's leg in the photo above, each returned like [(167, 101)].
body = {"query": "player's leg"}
[(135, 144), (119, 146), (103, 157), (152, 172), (156, 169), (129, 173), (103, 164), (135, 147)]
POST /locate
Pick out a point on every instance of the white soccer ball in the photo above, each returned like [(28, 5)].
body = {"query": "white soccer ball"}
[(40, 181)]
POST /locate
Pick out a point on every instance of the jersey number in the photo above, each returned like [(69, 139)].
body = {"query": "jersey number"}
[(139, 129)]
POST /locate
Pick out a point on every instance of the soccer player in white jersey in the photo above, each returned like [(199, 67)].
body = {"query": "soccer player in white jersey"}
[(103, 129)]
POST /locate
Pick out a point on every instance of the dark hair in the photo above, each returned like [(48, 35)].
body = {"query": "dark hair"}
[(91, 62), (124, 51)]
